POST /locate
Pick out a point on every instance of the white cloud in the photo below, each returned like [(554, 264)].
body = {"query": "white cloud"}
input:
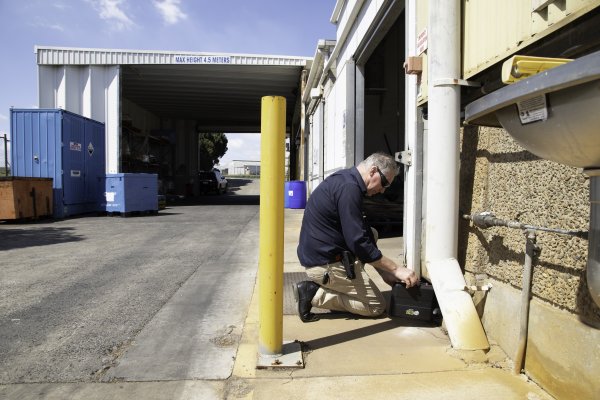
[(234, 144), (56, 27), (241, 146), (170, 11), (111, 11), (3, 117)]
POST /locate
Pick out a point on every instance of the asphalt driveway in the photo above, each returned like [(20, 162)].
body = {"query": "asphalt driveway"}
[(96, 298)]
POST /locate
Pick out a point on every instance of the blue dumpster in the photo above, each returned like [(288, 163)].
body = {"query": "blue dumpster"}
[(131, 192)]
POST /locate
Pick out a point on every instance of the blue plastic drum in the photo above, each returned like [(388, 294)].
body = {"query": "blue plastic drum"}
[(295, 194)]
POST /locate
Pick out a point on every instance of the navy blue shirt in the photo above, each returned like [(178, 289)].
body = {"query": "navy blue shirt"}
[(333, 222)]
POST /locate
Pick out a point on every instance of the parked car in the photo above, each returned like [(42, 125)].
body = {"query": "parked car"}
[(212, 181)]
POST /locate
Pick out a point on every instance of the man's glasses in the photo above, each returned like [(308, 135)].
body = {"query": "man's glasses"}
[(384, 182)]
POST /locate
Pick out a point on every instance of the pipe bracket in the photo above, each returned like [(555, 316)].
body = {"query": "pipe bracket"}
[(477, 288), (455, 82)]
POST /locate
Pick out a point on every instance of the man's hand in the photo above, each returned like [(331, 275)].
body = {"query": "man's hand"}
[(407, 276), (392, 273)]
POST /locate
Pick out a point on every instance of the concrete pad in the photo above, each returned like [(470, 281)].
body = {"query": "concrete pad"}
[(341, 345), (450, 385), (381, 358), (360, 358)]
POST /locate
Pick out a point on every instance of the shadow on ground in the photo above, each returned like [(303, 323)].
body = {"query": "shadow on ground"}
[(30, 237)]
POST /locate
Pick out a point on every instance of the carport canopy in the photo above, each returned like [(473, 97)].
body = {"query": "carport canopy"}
[(221, 91), (221, 98)]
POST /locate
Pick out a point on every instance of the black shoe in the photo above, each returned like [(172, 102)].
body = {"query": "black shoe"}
[(303, 293)]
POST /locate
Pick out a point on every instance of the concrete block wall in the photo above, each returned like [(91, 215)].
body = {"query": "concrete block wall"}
[(499, 176)]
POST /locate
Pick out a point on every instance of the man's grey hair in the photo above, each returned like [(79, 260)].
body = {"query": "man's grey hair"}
[(383, 161)]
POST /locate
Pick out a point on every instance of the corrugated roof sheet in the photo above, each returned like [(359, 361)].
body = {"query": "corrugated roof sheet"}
[(85, 56)]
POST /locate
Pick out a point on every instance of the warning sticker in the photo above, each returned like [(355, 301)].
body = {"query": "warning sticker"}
[(90, 149), (533, 110), (74, 146), (422, 42)]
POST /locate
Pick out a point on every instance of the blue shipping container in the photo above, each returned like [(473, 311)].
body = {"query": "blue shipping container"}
[(69, 148), (131, 192)]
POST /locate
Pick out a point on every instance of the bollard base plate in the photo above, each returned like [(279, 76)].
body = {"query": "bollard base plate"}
[(290, 357)]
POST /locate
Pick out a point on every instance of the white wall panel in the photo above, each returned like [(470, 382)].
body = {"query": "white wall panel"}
[(335, 99), (315, 142), (328, 140), (60, 89), (362, 23), (112, 118), (86, 92), (340, 120), (46, 86), (73, 89), (97, 76), (91, 91)]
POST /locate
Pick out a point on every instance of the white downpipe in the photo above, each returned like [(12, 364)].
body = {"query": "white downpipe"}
[(412, 214), (461, 319)]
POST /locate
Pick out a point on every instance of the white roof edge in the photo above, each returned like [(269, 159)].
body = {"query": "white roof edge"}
[(78, 55), (337, 10), (316, 67)]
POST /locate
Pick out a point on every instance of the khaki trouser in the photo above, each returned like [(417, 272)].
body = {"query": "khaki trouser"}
[(358, 296)]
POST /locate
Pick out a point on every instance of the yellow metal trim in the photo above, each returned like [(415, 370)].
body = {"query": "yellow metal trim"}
[(520, 67)]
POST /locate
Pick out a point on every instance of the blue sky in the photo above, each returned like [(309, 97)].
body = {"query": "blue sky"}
[(273, 27)]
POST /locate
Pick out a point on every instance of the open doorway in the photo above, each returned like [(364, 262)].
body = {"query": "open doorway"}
[(384, 122)]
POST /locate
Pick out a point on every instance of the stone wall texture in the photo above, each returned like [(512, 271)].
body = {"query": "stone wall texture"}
[(499, 176)]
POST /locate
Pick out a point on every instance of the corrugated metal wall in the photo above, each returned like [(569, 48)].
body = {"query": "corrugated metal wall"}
[(494, 30), (491, 28), (92, 91)]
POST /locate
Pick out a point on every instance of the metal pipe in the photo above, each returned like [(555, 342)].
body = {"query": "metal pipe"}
[(530, 250), (443, 136), (5, 155), (486, 220), (593, 264), (413, 181)]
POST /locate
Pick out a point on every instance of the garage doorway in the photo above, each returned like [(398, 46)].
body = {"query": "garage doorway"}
[(383, 115)]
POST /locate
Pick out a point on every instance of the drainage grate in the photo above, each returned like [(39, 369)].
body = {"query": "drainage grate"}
[(289, 304)]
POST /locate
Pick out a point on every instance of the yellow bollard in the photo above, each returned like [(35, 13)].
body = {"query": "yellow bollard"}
[(270, 271)]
